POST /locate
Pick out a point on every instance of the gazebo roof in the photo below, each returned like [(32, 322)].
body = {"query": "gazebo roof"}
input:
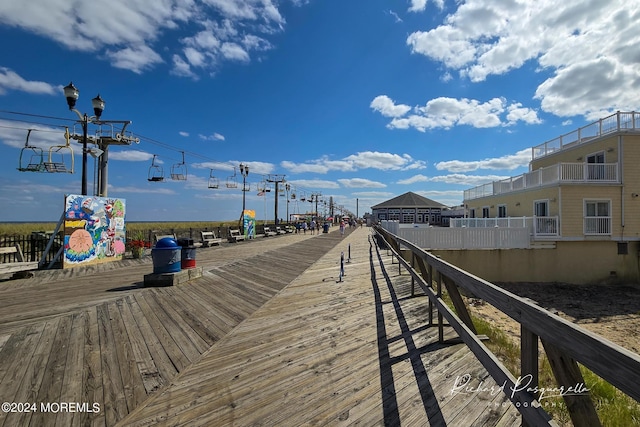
[(409, 200)]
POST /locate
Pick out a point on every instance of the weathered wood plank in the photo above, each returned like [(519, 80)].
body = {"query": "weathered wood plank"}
[(51, 385), (191, 343), (115, 404), (569, 377), (161, 359), (92, 371), (21, 381), (72, 384), (154, 315), (133, 387), (145, 364), (216, 327)]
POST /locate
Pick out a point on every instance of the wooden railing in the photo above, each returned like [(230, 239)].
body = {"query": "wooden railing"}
[(565, 343)]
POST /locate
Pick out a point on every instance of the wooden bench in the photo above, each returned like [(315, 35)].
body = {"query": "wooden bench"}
[(16, 266), (235, 236), (268, 232), (289, 229), (279, 230), (209, 239)]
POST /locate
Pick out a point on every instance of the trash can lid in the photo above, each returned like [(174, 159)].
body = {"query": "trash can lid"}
[(167, 242)]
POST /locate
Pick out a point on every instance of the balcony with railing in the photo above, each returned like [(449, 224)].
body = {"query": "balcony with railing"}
[(538, 226), (552, 175), (620, 121)]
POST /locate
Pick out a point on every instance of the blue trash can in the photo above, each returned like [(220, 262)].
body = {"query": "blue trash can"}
[(166, 256), (325, 227)]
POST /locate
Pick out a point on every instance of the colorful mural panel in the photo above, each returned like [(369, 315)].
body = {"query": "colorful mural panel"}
[(94, 230), (249, 224)]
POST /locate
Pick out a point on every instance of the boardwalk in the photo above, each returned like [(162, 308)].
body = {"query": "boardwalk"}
[(266, 337)]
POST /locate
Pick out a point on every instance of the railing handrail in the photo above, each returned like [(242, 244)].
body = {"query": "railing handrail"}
[(607, 173), (614, 122), (613, 363)]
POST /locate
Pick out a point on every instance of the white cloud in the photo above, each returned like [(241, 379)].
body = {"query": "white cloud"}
[(421, 5), (10, 80), (396, 18), (572, 42), (446, 112), (313, 183), (151, 189), (216, 30), (234, 51), (508, 162), (375, 194), (384, 161), (213, 137), (418, 5), (183, 133), (385, 106), (130, 155), (137, 58), (360, 183), (354, 162), (461, 179)]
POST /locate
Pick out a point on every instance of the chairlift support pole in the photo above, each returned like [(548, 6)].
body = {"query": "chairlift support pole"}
[(276, 179), (72, 94)]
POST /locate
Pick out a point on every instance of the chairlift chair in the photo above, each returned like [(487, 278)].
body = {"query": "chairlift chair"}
[(232, 181), (60, 157), (213, 181), (303, 197), (179, 170), (36, 157), (156, 173)]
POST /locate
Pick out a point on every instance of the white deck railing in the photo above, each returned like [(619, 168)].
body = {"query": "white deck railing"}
[(461, 238), (538, 226), (613, 123), (555, 174)]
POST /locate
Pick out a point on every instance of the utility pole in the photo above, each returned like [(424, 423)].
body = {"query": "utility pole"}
[(315, 196), (277, 179)]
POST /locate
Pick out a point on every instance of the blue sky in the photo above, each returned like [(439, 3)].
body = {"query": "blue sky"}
[(359, 100)]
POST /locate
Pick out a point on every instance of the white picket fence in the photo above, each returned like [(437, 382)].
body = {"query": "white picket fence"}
[(461, 238)]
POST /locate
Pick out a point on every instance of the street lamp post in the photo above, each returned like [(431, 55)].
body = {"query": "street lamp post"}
[(287, 187), (244, 171), (72, 94)]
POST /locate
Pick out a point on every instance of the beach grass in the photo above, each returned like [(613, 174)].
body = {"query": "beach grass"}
[(614, 408)]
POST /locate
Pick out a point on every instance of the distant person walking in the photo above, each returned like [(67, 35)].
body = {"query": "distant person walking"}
[(304, 227), (313, 226), (342, 228)]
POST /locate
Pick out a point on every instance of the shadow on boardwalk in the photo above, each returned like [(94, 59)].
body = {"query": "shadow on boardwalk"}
[(263, 338)]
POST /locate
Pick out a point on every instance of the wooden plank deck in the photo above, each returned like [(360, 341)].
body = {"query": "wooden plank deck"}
[(358, 352), (95, 335), (266, 337)]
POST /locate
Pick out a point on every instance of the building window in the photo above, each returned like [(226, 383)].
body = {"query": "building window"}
[(408, 218), (485, 212), (541, 208), (597, 217), (502, 211), (595, 166)]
